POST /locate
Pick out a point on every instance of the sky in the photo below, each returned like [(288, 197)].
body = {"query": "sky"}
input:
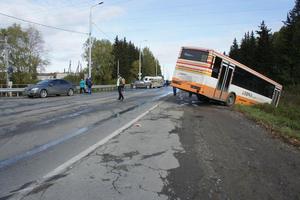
[(162, 25)]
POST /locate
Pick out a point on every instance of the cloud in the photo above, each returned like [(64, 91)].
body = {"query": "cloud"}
[(74, 15)]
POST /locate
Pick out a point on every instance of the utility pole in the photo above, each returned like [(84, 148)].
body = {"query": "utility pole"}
[(77, 70), (90, 44), (140, 64), (70, 64), (90, 40)]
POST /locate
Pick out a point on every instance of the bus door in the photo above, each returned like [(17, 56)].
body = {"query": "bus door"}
[(226, 72), (276, 97)]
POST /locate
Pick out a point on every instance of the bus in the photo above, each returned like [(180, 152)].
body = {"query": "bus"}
[(212, 75)]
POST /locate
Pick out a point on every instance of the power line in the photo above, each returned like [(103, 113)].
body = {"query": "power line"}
[(109, 37), (44, 25)]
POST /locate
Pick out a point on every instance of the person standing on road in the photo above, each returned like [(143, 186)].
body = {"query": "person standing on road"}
[(82, 86), (174, 91), (120, 87), (89, 85)]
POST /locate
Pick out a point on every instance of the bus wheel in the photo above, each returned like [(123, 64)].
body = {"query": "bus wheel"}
[(230, 99)]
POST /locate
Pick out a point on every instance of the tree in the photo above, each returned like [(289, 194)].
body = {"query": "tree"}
[(287, 48), (148, 66), (27, 53), (275, 55), (102, 61), (234, 50), (264, 50), (126, 53)]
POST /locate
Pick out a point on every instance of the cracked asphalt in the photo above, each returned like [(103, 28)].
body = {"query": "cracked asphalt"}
[(183, 149), (133, 165)]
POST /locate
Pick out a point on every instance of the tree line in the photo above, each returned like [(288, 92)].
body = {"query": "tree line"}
[(28, 57), (106, 57), (276, 55)]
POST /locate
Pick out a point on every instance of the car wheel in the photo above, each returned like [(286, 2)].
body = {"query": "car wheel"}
[(43, 93), (230, 99), (70, 92)]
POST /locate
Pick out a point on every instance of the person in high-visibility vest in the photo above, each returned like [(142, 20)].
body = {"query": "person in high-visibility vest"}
[(120, 85)]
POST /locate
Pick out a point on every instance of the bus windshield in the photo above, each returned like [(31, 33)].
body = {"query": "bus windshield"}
[(195, 55)]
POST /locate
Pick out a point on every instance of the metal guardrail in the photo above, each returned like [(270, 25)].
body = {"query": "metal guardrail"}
[(18, 91), (10, 91)]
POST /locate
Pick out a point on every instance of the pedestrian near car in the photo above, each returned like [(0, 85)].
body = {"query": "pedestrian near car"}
[(120, 86), (82, 86), (89, 85)]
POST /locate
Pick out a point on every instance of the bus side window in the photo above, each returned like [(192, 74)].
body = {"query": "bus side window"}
[(216, 67)]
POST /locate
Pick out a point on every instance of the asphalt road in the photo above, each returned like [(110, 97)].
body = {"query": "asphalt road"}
[(182, 149), (37, 135)]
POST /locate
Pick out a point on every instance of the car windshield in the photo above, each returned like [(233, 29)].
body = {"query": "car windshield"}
[(43, 82)]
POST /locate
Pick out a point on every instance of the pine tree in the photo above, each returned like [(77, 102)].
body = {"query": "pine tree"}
[(244, 49), (234, 52), (287, 48), (264, 51), (252, 49)]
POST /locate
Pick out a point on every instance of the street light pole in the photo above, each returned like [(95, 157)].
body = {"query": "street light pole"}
[(90, 39)]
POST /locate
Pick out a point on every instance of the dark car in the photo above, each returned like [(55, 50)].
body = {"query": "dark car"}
[(50, 87)]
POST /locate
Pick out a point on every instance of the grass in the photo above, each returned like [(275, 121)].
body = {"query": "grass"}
[(283, 121)]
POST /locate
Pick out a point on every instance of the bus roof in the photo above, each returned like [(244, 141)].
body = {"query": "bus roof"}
[(237, 64)]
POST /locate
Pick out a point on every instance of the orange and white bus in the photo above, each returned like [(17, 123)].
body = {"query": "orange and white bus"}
[(213, 75)]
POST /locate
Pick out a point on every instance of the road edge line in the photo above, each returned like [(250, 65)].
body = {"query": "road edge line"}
[(68, 164)]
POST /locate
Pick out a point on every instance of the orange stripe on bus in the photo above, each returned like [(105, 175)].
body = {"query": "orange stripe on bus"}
[(194, 68), (208, 91), (196, 65)]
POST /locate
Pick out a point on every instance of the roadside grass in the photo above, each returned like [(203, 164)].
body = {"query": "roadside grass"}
[(283, 121)]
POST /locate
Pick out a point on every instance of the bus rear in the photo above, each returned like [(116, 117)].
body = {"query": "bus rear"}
[(193, 69)]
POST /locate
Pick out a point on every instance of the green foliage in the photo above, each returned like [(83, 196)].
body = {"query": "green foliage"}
[(126, 54), (26, 53), (134, 70), (276, 55), (106, 56), (234, 50), (102, 60), (149, 63)]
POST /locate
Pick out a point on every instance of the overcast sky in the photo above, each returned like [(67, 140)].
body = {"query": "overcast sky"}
[(165, 24)]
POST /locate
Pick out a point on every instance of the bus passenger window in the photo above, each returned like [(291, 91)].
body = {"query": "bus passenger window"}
[(216, 67)]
